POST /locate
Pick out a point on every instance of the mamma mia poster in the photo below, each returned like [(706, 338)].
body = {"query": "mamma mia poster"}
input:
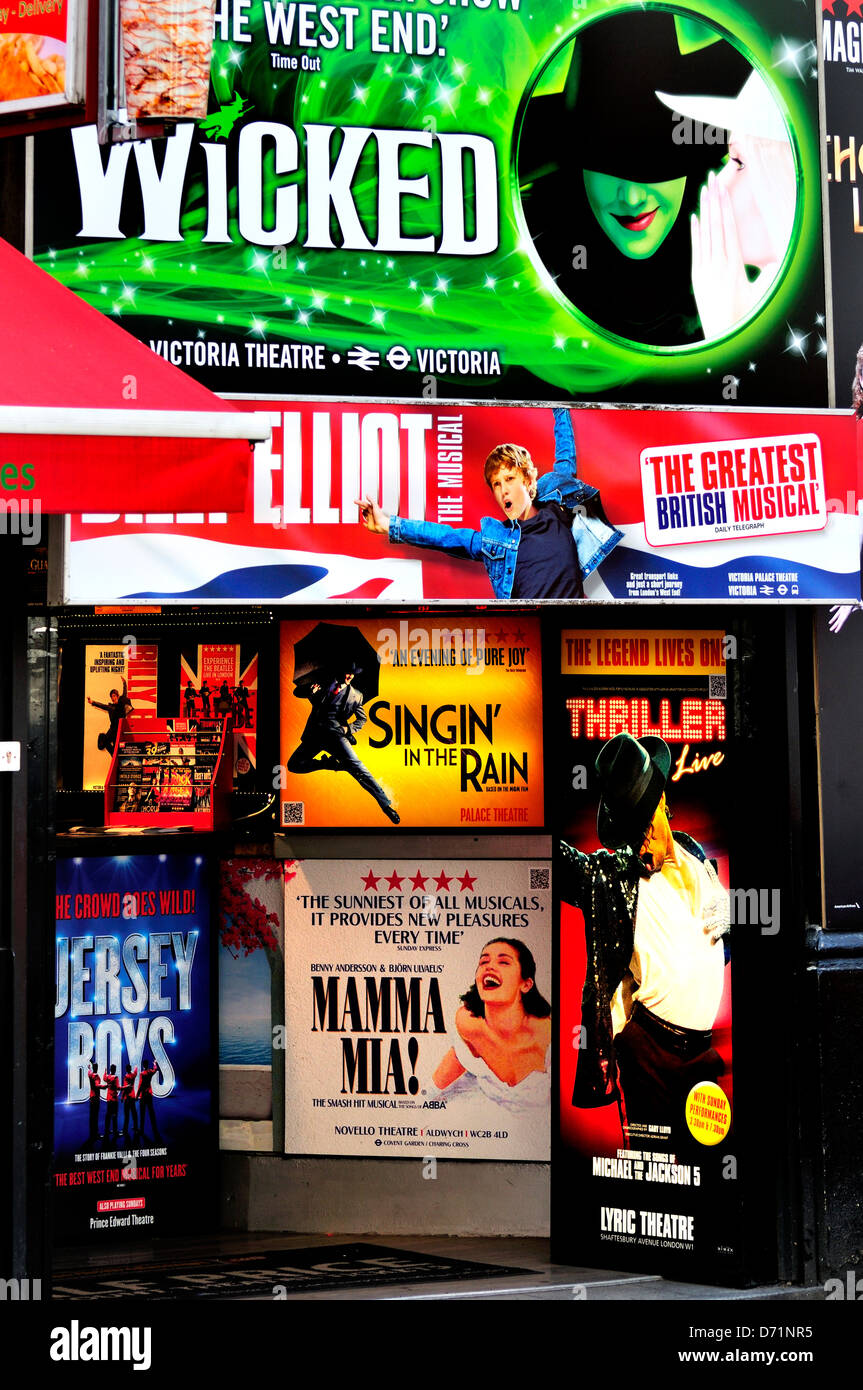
[(417, 1007)]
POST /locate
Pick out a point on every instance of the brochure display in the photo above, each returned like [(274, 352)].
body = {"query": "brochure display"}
[(169, 772)]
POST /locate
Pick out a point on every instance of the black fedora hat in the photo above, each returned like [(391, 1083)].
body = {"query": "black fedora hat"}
[(632, 774)]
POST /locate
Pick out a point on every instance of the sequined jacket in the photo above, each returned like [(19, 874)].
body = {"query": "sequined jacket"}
[(605, 887)]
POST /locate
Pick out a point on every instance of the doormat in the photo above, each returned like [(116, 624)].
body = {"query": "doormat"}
[(274, 1274)]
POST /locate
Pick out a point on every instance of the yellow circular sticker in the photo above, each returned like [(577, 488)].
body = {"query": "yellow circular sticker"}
[(708, 1113)]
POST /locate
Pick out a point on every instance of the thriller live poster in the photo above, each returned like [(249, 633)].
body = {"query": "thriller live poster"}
[(661, 504), (134, 1137), (418, 199), (645, 1137), (412, 721), (417, 1000)]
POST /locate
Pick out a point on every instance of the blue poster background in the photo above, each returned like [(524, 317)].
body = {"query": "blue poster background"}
[(132, 981)]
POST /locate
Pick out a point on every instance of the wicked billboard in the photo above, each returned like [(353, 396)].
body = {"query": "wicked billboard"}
[(645, 1136), (470, 200)]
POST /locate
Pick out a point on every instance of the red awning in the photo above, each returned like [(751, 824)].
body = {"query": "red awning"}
[(100, 423)]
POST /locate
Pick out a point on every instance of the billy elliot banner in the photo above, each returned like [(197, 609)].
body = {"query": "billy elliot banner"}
[(479, 503), (424, 199)]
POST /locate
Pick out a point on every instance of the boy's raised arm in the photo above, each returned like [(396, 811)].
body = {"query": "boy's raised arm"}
[(458, 540), (564, 442)]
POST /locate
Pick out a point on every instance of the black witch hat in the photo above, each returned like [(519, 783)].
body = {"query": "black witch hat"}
[(608, 112), (632, 774)]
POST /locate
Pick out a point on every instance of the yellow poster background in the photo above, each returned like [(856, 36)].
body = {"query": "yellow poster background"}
[(456, 681), (105, 668)]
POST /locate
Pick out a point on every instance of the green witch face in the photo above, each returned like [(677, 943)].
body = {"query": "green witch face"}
[(636, 217), (594, 122)]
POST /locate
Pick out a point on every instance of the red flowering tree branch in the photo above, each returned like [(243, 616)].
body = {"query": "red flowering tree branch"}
[(245, 923)]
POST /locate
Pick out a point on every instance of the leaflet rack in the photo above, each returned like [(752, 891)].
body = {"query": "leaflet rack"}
[(170, 772)]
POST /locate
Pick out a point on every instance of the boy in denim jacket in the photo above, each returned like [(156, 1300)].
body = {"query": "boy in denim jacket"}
[(543, 548)]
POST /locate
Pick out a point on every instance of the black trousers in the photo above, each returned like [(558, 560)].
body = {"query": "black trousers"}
[(111, 1109), (656, 1080), (346, 760), (145, 1108)]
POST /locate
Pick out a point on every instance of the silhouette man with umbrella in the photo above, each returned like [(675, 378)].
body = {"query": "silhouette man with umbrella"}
[(336, 669)]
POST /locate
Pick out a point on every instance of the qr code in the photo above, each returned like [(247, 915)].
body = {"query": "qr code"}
[(293, 812), (717, 687), (540, 879)]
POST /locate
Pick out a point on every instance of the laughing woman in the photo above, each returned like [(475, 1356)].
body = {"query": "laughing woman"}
[(503, 1030)]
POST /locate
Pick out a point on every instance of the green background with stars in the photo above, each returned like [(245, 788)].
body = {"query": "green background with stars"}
[(487, 62)]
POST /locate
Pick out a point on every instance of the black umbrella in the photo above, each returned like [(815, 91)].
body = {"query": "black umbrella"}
[(329, 650)]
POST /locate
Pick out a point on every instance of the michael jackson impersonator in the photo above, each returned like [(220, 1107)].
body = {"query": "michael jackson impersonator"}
[(655, 917)]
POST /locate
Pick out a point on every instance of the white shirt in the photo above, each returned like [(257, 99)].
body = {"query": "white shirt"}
[(678, 969)]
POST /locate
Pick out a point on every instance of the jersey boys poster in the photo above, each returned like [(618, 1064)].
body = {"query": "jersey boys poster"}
[(134, 1139), (629, 505), (412, 722), (471, 200), (117, 681), (417, 1006), (645, 1104)]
